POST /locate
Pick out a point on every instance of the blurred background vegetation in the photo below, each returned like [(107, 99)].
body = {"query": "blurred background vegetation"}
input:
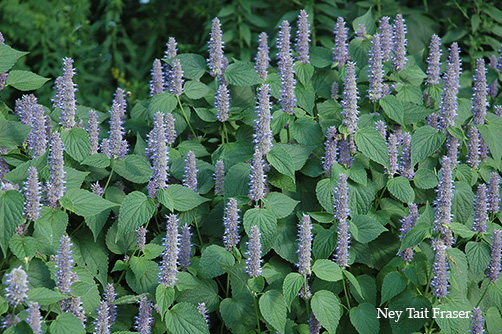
[(114, 42)]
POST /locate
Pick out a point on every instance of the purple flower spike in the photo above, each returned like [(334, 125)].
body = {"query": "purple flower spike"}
[(498, 111), (219, 178), (477, 322), (406, 168), (185, 253), (375, 70), (190, 179), (361, 31), (216, 60), (400, 42), (17, 287), (4, 166), (64, 97), (303, 37), (381, 127), (157, 82), (257, 178), (34, 318), (442, 205), (176, 83), (171, 50), (439, 282), (116, 146), (231, 223), (201, 308), (433, 61), (56, 185), (449, 101), (24, 108), (342, 212), (38, 135), (479, 102), (407, 223), (345, 157), (493, 270), (253, 262), (141, 237), (93, 131), (341, 50), (96, 188), (119, 98), (109, 297), (392, 148), (432, 120), (499, 65), (314, 325), (262, 57), (330, 149), (480, 213), (102, 322), (493, 193), (222, 101), (473, 146), (262, 137), (32, 190), (454, 59), (64, 265), (159, 155), (304, 246), (169, 264), (170, 129), (288, 82), (386, 34), (144, 320), (452, 149), (350, 111)]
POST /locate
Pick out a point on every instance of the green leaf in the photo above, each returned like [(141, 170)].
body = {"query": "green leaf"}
[(12, 134), (425, 141), (237, 180), (359, 50), (493, 320), (291, 286), (25, 80), (178, 197), (408, 299), (400, 188), (193, 65), (136, 210), (306, 131), (491, 134), (393, 108), (49, 229), (264, 219), (184, 318), (371, 143), (84, 203), (212, 259), (67, 323), (238, 316), (324, 244), (11, 213), (163, 102), (23, 247), (147, 282), (416, 235), (368, 228), (76, 143), (74, 178), (364, 318), (273, 309), (134, 168), (304, 72), (393, 284), (321, 57), (19, 328), (478, 255), (353, 281), (195, 89), (425, 179), (326, 308), (462, 204), (8, 57), (98, 160), (367, 20), (280, 204), (94, 255), (327, 270), (44, 296), (242, 73), (282, 161), (361, 198), (414, 113), (324, 192)]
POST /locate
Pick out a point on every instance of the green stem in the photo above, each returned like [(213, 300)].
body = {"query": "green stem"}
[(225, 131), (198, 232), (483, 296), (346, 294), (257, 313), (186, 118), (109, 177), (228, 285), (78, 228)]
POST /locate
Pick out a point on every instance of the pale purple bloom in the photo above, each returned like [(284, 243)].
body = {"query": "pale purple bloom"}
[(499, 65), (452, 149), (493, 193), (433, 61), (32, 192), (350, 111), (201, 308), (262, 56), (253, 262), (407, 223), (381, 127), (361, 31), (257, 178), (93, 131), (330, 149), (334, 91), (449, 101), (141, 237), (473, 146), (109, 297), (432, 120), (493, 88), (483, 149), (170, 129), (96, 188), (4, 166), (102, 322), (219, 178), (222, 101), (386, 37), (216, 61), (64, 266), (116, 146), (400, 42), (190, 177), (35, 318), (176, 76), (231, 223), (262, 137), (171, 52), (185, 253), (64, 97), (17, 286), (341, 49), (314, 325), (392, 149), (345, 157), (406, 168), (157, 82), (442, 205), (119, 98), (159, 155), (477, 321), (342, 213), (285, 64), (24, 108), (480, 212), (56, 185), (38, 135), (10, 320), (439, 282), (479, 102), (493, 270), (498, 111), (303, 37), (144, 320), (375, 70), (304, 246), (454, 59), (169, 263)]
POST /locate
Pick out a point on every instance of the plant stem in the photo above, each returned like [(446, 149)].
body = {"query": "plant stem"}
[(483, 296), (346, 294), (186, 118), (257, 313), (198, 232), (109, 177)]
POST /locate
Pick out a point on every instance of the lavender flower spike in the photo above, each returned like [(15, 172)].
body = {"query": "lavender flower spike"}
[(406, 168), (381, 127), (449, 101), (102, 322), (96, 188), (170, 129), (56, 185), (341, 50), (144, 320), (219, 178), (473, 146), (190, 179), (171, 50), (498, 110), (24, 108), (345, 157), (65, 95), (375, 70), (330, 149), (17, 287), (350, 111), (64, 265), (400, 42), (262, 137), (433, 61), (231, 223), (32, 190), (157, 82), (201, 307), (253, 262), (176, 76), (302, 37), (110, 299), (480, 214), (257, 178), (442, 205), (477, 322), (452, 149), (38, 135), (93, 131), (479, 101), (216, 62), (119, 97), (141, 237), (392, 148), (222, 101), (116, 146), (285, 64), (342, 213), (439, 282), (34, 318), (160, 156), (185, 253), (493, 270), (407, 223), (169, 264), (493, 193), (304, 246), (386, 34), (314, 325), (262, 56), (361, 31)]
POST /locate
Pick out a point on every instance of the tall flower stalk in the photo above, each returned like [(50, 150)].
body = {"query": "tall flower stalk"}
[(303, 37), (341, 214), (288, 82)]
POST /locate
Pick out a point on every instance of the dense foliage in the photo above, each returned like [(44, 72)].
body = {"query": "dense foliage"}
[(329, 185)]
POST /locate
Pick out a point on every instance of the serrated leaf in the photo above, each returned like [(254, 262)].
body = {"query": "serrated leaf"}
[(184, 318), (264, 219), (364, 318), (281, 205), (136, 210), (291, 286), (425, 141), (393, 284), (67, 323), (242, 74), (400, 188), (25, 80), (368, 228), (193, 65), (371, 143), (195, 89), (393, 108), (180, 198), (8, 57), (134, 168), (23, 247), (76, 143), (282, 161), (44, 296), (84, 203), (326, 308), (212, 259), (12, 133), (273, 309), (11, 213), (327, 270)]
